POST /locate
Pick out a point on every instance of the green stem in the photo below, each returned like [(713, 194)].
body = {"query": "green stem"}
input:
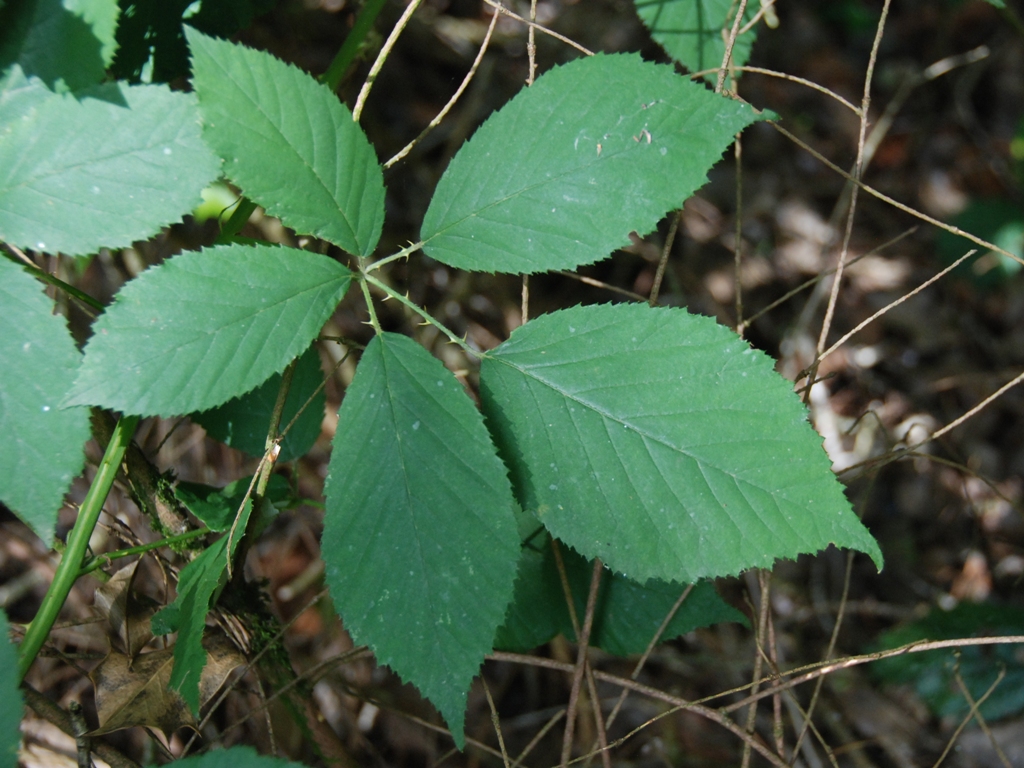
[(99, 561), (46, 277), (349, 49), (78, 542), (409, 249), (421, 312), (369, 303), (237, 220)]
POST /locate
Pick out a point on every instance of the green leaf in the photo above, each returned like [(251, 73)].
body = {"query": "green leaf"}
[(233, 758), (561, 175), (217, 507), (627, 614), (152, 41), (207, 326), (690, 31), (289, 143), (662, 443), (242, 422), (66, 43), (197, 583), (419, 535), (41, 452), (105, 170), (11, 706)]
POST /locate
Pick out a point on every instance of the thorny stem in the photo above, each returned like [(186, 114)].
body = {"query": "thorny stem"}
[(404, 253), (78, 542), (418, 310), (369, 302)]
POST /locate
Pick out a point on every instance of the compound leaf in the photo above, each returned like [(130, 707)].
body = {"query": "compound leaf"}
[(561, 175), (289, 143), (207, 326), (242, 422), (103, 168), (41, 452), (68, 41), (11, 707), (662, 443), (419, 535), (691, 31)]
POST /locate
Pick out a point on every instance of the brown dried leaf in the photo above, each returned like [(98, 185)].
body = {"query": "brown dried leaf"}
[(127, 614), (131, 693), (137, 694)]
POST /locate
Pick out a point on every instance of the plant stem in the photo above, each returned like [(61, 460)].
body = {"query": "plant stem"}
[(93, 563), (82, 296), (408, 250), (236, 221), (349, 49), (369, 303), (422, 313), (78, 541)]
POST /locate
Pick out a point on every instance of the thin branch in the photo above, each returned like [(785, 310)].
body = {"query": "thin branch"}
[(861, 326), (976, 712), (495, 721), (759, 639), (659, 275), (531, 43), (583, 643), (455, 97), (714, 715), (821, 276), (730, 43), (833, 640), (784, 76), (606, 286), (551, 723), (738, 235), (534, 25), (647, 651), (892, 201), (53, 714), (968, 717), (858, 171), (385, 51)]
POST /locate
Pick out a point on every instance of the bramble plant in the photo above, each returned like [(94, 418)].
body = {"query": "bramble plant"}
[(651, 439)]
